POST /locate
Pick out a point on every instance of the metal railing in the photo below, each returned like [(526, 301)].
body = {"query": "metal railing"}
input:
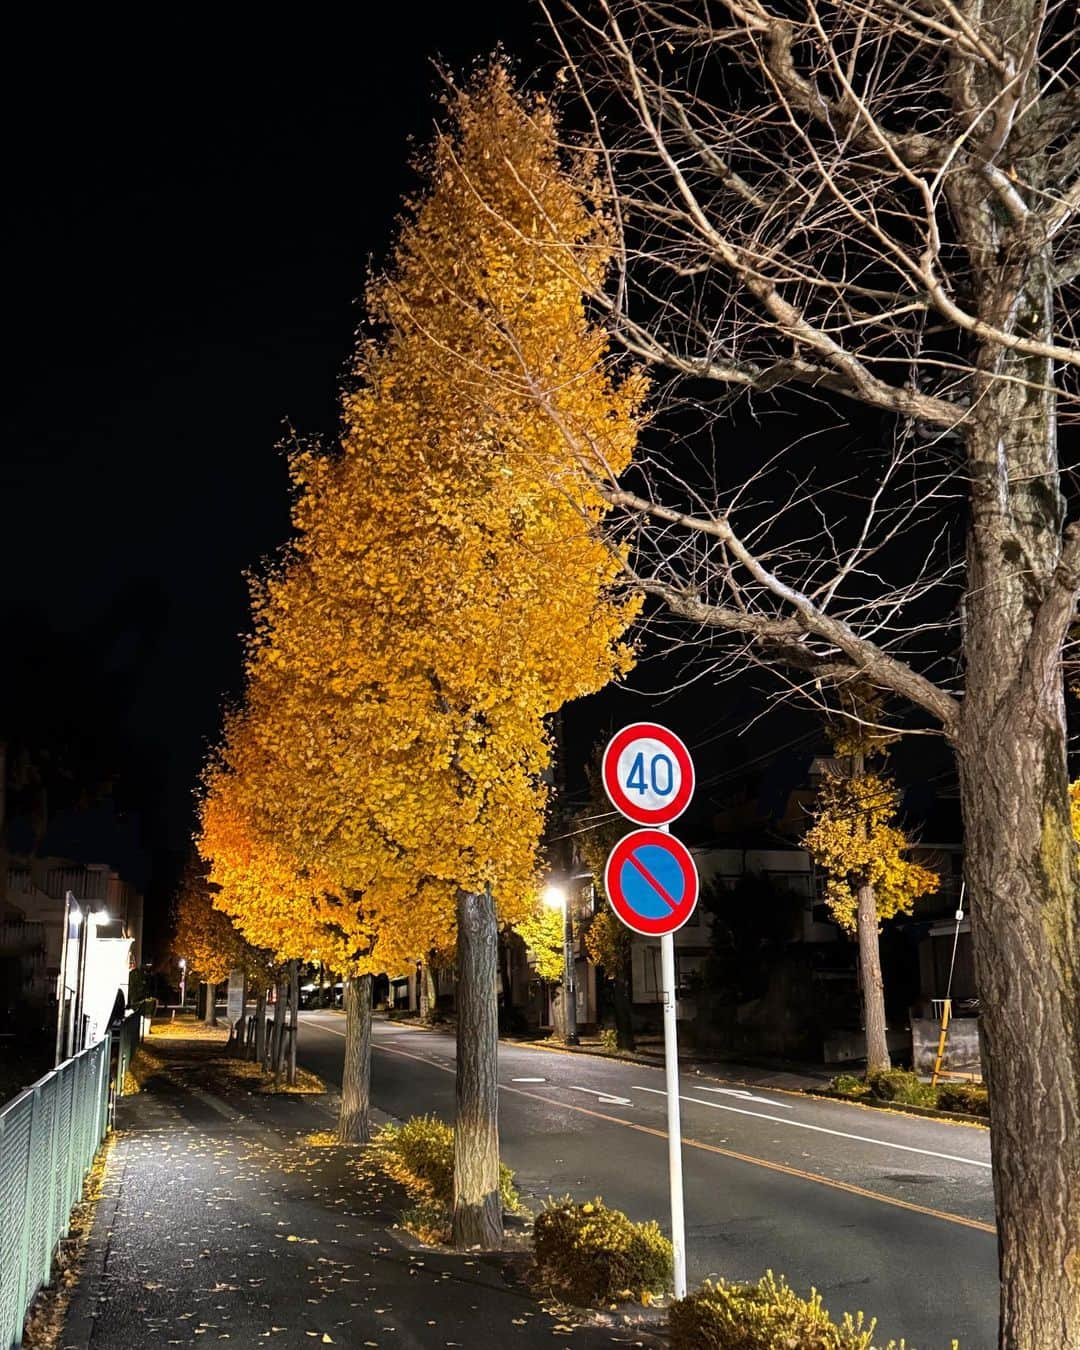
[(49, 1135)]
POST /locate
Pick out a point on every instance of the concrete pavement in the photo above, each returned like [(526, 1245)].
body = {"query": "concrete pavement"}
[(882, 1212)]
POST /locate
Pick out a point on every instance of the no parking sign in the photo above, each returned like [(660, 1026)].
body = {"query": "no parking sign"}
[(651, 882)]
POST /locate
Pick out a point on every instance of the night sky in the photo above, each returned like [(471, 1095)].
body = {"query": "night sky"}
[(191, 212)]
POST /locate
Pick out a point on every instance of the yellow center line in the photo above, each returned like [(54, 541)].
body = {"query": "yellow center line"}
[(785, 1168)]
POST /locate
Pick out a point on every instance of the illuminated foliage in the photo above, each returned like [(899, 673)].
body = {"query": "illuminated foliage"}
[(543, 934), (855, 841), (608, 943), (205, 937), (446, 589)]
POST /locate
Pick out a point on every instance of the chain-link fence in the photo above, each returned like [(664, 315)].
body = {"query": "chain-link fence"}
[(48, 1137)]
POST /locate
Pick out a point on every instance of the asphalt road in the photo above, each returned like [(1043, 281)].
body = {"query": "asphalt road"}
[(885, 1213)]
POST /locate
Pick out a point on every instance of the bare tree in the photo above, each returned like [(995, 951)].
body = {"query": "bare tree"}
[(865, 214)]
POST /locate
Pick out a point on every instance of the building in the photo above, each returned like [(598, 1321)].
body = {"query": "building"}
[(34, 908)]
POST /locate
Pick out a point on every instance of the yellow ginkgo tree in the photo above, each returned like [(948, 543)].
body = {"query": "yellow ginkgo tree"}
[(447, 589), (857, 843), (445, 592), (205, 939), (299, 913)]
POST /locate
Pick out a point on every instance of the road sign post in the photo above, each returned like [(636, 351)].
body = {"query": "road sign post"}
[(652, 885), (674, 1115)]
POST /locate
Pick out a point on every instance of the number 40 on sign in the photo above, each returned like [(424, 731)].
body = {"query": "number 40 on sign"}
[(648, 774)]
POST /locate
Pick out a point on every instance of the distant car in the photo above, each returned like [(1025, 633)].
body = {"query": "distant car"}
[(321, 995)]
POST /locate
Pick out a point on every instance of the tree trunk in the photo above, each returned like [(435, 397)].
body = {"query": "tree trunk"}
[(277, 1036), (873, 987), (1020, 857), (422, 996), (624, 1018), (294, 1004), (210, 1010), (260, 1026), (558, 1010), (1022, 875), (354, 1126), (477, 1207)]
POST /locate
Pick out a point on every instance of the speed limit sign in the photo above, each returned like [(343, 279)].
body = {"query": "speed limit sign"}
[(648, 774)]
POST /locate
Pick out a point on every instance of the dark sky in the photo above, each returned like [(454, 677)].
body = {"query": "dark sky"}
[(190, 215)]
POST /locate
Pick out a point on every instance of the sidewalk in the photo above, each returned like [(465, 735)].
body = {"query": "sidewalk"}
[(219, 1223)]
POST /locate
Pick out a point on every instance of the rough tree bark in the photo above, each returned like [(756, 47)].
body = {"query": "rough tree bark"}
[(1020, 857), (477, 1207), (277, 1035), (422, 1000), (260, 1025), (354, 1126), (873, 987), (210, 1009), (624, 1018), (294, 1020)]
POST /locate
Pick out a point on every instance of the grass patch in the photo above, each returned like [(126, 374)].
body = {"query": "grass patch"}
[(901, 1087), (594, 1255), (250, 1076), (145, 1064)]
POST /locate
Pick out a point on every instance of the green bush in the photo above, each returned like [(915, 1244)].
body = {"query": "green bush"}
[(900, 1085), (969, 1098), (849, 1085), (420, 1154), (763, 1316), (609, 1039), (594, 1255)]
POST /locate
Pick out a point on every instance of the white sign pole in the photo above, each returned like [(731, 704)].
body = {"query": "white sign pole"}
[(674, 1115)]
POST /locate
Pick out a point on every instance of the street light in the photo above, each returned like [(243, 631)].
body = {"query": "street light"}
[(555, 897), (72, 916), (96, 917)]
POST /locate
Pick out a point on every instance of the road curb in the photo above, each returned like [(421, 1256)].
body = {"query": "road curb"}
[(81, 1312), (902, 1108)]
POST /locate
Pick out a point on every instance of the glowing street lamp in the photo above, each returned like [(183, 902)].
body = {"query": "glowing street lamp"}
[(95, 918)]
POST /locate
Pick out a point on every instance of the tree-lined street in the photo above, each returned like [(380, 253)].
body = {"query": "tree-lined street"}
[(882, 1212), (709, 361)]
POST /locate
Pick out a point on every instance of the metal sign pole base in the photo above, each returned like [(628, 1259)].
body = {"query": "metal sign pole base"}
[(674, 1123)]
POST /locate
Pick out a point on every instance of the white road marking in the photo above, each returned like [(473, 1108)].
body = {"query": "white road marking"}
[(821, 1129), (332, 1030), (745, 1096), (604, 1096), (528, 1080)]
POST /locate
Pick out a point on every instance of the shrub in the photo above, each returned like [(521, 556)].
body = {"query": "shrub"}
[(762, 1316), (591, 1254), (609, 1039), (849, 1085), (969, 1098), (900, 1085), (420, 1154)]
